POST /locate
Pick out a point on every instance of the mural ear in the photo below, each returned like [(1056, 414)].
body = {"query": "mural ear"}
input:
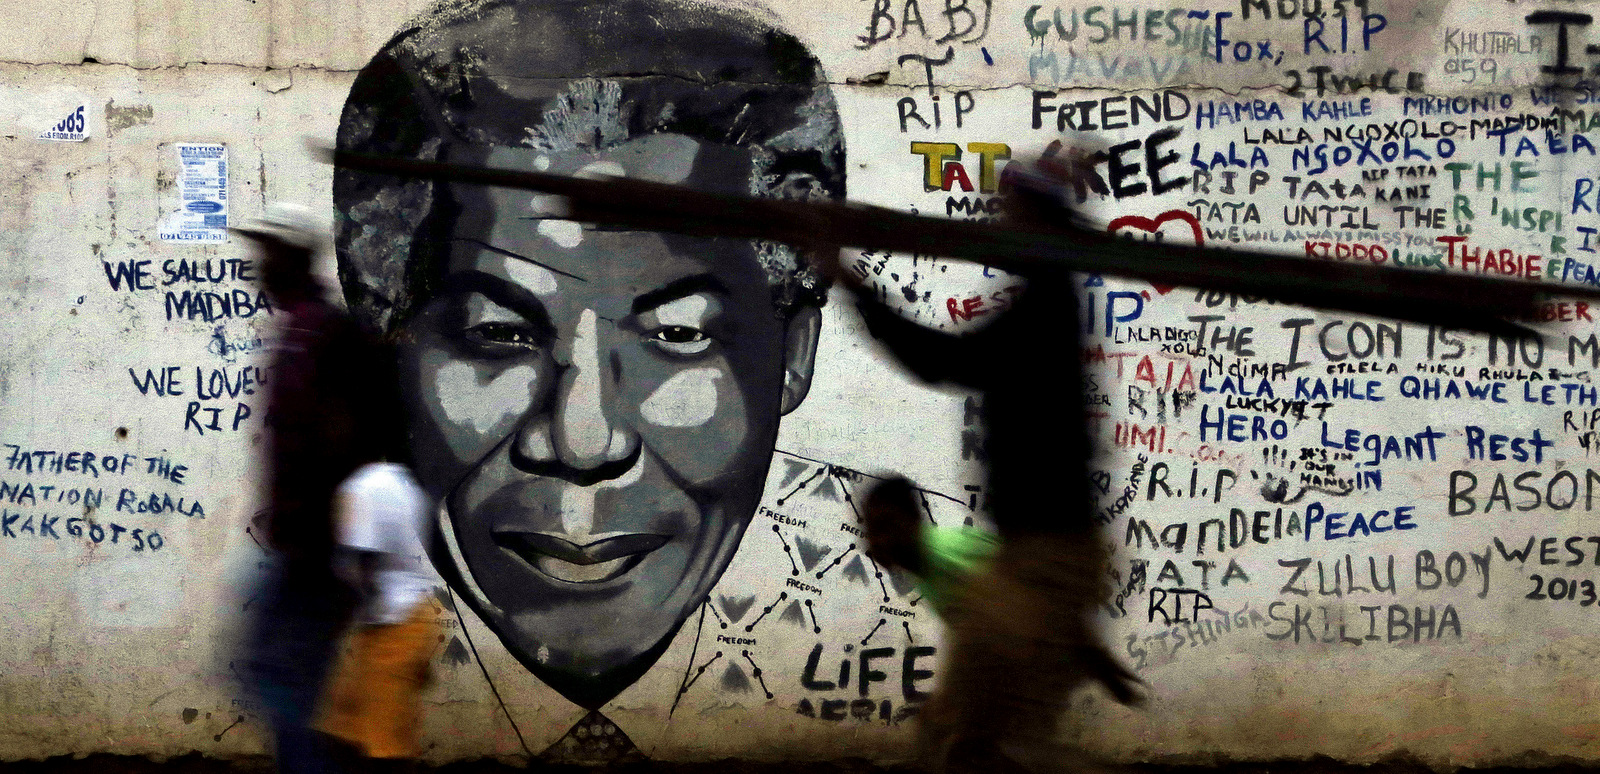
[(800, 355), (800, 187)]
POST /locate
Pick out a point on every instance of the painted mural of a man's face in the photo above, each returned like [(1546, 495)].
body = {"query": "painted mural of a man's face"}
[(596, 409), (599, 408)]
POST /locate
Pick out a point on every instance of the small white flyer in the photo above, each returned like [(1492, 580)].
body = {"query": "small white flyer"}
[(73, 128), (202, 214)]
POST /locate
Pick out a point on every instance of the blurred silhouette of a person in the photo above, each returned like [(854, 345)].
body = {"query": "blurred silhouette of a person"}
[(373, 702), (945, 560), (319, 419), (1021, 616)]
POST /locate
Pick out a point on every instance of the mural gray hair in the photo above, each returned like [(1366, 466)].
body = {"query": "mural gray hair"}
[(559, 75)]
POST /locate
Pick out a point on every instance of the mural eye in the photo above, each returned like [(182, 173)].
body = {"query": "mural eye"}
[(681, 339), (502, 338)]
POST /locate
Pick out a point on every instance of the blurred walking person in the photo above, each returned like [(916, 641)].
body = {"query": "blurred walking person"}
[(317, 436), (373, 703), (1020, 610), (1019, 613)]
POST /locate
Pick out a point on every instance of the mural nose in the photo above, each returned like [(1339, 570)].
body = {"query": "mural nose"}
[(584, 432)]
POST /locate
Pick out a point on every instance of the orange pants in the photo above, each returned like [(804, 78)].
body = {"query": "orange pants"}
[(374, 699)]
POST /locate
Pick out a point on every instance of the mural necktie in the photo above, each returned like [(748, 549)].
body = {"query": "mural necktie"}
[(593, 740)]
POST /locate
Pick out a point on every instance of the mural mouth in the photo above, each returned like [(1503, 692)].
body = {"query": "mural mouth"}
[(559, 558)]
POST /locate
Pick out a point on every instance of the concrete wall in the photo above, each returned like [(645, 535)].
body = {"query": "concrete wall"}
[(1389, 522)]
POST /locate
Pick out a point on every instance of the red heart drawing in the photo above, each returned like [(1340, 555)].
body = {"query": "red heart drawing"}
[(1153, 225)]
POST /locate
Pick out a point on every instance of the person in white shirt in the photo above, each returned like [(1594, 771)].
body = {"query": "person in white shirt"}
[(373, 703)]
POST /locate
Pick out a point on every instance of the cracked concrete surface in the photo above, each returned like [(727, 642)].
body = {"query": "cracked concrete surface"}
[(304, 34), (276, 79), (260, 75), (198, 764)]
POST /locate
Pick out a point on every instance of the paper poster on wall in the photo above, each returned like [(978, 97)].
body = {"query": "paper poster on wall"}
[(73, 128), (202, 214)]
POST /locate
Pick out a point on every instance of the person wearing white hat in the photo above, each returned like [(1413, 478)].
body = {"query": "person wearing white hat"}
[(325, 418)]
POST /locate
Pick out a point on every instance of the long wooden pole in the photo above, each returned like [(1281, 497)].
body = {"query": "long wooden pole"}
[(1446, 299)]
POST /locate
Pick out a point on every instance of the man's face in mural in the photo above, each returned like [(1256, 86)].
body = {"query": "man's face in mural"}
[(597, 410)]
